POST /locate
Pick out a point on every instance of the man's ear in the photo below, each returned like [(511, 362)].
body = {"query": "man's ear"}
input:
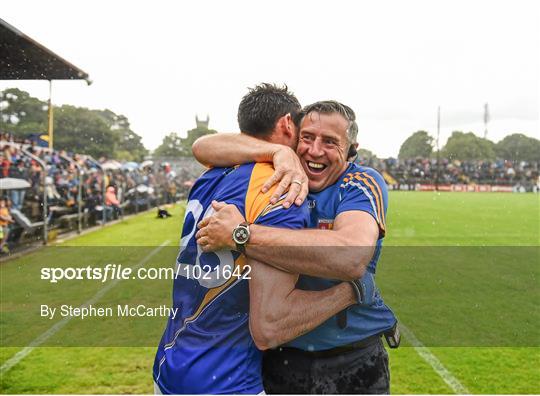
[(290, 124), (285, 126), (351, 155)]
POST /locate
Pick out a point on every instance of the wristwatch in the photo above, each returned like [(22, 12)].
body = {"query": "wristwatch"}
[(240, 236)]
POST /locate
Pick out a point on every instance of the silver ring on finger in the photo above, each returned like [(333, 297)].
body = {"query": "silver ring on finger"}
[(298, 182)]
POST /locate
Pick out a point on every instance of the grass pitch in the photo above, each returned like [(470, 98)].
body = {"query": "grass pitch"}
[(455, 265)]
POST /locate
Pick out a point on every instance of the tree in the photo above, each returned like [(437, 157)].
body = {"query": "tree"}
[(21, 113), (365, 154), (171, 146), (468, 146), (81, 130), (128, 145), (175, 146), (193, 135), (518, 147), (419, 144), (76, 129)]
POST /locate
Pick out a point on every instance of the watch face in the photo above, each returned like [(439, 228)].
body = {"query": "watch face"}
[(241, 234)]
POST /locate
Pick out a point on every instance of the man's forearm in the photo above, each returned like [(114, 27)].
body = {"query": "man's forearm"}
[(305, 311), (320, 253), (228, 149)]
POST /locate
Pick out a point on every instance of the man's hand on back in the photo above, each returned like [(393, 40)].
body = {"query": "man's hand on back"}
[(215, 232), (288, 174)]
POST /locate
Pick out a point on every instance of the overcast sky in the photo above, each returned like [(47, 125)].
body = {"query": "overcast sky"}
[(162, 62)]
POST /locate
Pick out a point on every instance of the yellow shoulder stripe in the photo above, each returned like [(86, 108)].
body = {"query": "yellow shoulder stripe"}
[(258, 203)]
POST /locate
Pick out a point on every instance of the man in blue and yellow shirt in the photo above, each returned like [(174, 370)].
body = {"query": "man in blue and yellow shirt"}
[(227, 305), (347, 223)]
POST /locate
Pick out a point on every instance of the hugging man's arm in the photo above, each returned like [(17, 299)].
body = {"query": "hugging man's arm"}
[(229, 149), (280, 313), (341, 253)]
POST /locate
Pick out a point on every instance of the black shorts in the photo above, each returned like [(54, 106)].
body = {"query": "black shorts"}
[(357, 371)]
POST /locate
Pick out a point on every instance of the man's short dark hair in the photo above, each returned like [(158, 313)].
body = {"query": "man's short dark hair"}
[(331, 107), (262, 106)]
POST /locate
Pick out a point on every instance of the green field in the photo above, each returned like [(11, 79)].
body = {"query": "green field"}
[(460, 270)]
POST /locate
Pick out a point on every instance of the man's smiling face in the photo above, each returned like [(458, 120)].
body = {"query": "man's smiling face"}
[(322, 148)]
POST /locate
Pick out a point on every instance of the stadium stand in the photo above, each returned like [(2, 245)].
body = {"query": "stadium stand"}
[(455, 175), (69, 178)]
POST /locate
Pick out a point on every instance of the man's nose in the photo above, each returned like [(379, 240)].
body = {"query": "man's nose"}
[(315, 150)]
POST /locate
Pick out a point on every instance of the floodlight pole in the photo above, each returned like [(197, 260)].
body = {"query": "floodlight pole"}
[(486, 120), (50, 117)]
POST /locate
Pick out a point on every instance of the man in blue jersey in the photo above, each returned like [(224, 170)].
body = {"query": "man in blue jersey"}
[(227, 305), (348, 206)]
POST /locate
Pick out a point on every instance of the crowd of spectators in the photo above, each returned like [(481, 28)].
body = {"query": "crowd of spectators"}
[(430, 171), (106, 193)]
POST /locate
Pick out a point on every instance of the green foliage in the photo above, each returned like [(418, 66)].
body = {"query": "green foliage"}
[(365, 154), (82, 131), (129, 145), (193, 135), (175, 146), (171, 146), (468, 146), (21, 113), (76, 129), (419, 144), (518, 147)]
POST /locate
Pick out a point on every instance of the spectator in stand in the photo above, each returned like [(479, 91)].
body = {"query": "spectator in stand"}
[(171, 192), (91, 203), (3, 164), (111, 203), (5, 220), (6, 161), (18, 172)]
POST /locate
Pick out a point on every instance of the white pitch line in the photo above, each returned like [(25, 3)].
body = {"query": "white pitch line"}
[(59, 325), (432, 360)]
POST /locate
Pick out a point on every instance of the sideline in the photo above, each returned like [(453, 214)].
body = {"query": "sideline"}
[(435, 363), (59, 325)]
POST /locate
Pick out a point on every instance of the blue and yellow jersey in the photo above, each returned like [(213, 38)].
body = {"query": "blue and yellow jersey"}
[(207, 348), (358, 189)]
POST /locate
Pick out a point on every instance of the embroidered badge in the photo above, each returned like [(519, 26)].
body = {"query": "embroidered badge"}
[(325, 224)]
